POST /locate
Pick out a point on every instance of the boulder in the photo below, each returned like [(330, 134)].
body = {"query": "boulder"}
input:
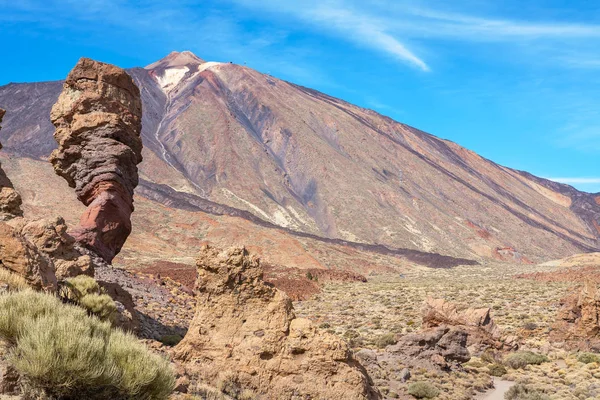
[(98, 124), (578, 320), (245, 331), (441, 348), (482, 332)]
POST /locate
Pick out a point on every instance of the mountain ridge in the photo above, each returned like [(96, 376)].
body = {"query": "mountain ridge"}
[(311, 163)]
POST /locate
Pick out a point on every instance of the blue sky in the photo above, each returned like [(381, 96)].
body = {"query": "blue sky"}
[(518, 82)]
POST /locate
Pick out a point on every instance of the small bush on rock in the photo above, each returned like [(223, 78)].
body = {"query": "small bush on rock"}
[(385, 340), (521, 359), (62, 353), (523, 392), (423, 390)]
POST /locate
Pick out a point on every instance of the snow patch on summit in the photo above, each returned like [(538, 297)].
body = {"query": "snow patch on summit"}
[(171, 77)]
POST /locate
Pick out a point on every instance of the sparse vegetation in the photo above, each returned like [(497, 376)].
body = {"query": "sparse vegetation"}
[(85, 291), (523, 392), (521, 359), (423, 390), (497, 370), (62, 353), (588, 358)]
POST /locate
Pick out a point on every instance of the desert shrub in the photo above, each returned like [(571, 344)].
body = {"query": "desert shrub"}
[(85, 291), (523, 392), (385, 340), (170, 340), (14, 281), (530, 326), (521, 359), (423, 390), (588, 358), (60, 351), (497, 370)]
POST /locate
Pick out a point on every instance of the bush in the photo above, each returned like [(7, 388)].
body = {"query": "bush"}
[(170, 340), (522, 392), (521, 359), (61, 352), (87, 293), (14, 281), (588, 358), (423, 390), (497, 370), (385, 340)]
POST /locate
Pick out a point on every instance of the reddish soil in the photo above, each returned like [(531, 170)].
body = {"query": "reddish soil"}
[(298, 284)]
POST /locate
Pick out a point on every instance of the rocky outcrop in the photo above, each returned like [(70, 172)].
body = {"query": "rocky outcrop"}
[(246, 330), (10, 200), (98, 123), (578, 319), (51, 237), (483, 333), (443, 348)]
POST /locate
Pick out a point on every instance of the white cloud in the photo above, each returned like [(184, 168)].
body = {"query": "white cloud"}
[(576, 180)]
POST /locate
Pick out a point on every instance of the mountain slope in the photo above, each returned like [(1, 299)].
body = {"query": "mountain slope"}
[(311, 163)]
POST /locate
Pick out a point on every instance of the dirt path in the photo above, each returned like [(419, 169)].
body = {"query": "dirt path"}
[(497, 393)]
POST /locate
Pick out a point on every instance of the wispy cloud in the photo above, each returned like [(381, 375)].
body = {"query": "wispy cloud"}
[(403, 29), (576, 180)]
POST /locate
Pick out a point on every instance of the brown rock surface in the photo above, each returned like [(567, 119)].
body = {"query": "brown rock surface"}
[(477, 322), (442, 347), (10, 201), (98, 123), (19, 255), (578, 320), (247, 330)]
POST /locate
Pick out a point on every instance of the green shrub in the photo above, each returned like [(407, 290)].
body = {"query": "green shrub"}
[(423, 390), (85, 291), (170, 340), (588, 358), (521, 359), (385, 340), (61, 352), (523, 392), (497, 370)]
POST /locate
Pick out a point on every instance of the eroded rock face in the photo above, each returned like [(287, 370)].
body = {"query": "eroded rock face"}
[(10, 200), (443, 348), (50, 236), (578, 320), (20, 256), (483, 333), (98, 123), (247, 330)]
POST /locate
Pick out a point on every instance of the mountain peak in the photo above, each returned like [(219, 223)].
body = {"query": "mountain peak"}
[(177, 59)]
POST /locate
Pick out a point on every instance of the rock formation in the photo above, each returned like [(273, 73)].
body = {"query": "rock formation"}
[(578, 319), (10, 200), (482, 332), (246, 330), (443, 348), (98, 123)]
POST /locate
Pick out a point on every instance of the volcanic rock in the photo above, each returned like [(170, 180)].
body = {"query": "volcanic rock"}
[(578, 319), (10, 200), (443, 348), (20, 256), (246, 330), (98, 123), (482, 332)]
